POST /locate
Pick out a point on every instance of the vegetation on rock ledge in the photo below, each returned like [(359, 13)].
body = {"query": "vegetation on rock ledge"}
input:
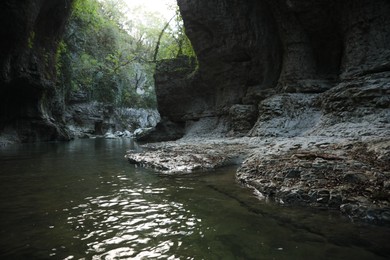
[(109, 52)]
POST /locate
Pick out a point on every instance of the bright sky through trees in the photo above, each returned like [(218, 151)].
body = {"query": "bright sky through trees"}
[(161, 6), (110, 49)]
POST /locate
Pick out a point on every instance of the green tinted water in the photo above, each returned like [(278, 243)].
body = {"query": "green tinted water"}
[(83, 200)]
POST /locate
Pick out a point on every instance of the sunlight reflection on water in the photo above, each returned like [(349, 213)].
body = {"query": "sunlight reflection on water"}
[(82, 200), (125, 224)]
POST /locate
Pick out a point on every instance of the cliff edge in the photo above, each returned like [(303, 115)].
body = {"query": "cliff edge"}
[(295, 92)]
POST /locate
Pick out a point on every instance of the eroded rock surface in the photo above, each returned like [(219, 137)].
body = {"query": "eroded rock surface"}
[(31, 108), (334, 55), (307, 83), (186, 156), (326, 172), (86, 118), (346, 175)]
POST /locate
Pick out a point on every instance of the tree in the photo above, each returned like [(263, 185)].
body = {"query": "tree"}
[(112, 57)]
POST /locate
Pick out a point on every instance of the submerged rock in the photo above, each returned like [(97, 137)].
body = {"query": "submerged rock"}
[(344, 175), (308, 81), (323, 172)]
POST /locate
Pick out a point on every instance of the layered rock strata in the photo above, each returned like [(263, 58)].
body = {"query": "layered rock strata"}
[(248, 52), (85, 118), (324, 172), (307, 83)]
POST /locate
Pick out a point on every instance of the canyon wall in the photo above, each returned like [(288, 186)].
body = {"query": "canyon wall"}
[(314, 64), (307, 83), (31, 107), (281, 68)]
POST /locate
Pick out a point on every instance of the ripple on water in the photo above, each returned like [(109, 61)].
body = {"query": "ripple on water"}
[(129, 225)]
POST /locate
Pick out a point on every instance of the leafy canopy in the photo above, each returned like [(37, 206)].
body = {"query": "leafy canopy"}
[(109, 51)]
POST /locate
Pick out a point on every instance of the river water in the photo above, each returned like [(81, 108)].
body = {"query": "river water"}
[(83, 200)]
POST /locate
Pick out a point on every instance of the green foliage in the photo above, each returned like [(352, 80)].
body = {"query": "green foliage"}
[(30, 40), (61, 50), (109, 56), (175, 41)]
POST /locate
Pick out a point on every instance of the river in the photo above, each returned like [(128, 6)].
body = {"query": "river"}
[(83, 200)]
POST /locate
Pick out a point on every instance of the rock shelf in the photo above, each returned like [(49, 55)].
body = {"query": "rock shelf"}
[(352, 175)]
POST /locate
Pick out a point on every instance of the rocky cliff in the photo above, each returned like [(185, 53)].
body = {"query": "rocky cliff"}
[(85, 118), (31, 107), (307, 83), (257, 55)]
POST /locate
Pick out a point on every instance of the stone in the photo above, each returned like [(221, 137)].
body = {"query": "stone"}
[(127, 133), (310, 78), (242, 118), (177, 86), (293, 173), (110, 136), (164, 131), (286, 115), (94, 119), (304, 84), (239, 66), (187, 156), (118, 134), (141, 132), (354, 178), (29, 101)]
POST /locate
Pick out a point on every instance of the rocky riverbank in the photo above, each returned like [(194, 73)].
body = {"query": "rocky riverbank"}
[(325, 150), (85, 118), (349, 174)]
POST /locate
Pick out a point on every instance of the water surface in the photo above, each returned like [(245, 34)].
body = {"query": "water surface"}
[(82, 200)]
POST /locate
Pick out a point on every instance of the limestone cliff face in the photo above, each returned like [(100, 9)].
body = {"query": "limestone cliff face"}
[(30, 105), (307, 82), (336, 54), (178, 86), (237, 45)]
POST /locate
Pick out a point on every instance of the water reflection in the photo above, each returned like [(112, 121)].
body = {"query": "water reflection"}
[(132, 222), (82, 200)]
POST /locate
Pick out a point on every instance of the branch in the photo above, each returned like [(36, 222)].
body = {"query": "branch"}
[(159, 39)]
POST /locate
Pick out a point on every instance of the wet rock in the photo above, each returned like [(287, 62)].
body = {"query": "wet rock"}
[(309, 176), (323, 196), (293, 173), (354, 178), (127, 133), (187, 156), (335, 199), (322, 124), (118, 134), (110, 136), (141, 132), (370, 214)]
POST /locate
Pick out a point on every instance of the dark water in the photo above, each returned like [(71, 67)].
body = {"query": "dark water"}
[(82, 200)]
